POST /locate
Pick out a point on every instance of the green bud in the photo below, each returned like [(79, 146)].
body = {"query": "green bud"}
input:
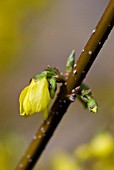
[(70, 62), (92, 105), (86, 97)]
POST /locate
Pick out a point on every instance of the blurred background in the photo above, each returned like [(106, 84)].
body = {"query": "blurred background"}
[(34, 34)]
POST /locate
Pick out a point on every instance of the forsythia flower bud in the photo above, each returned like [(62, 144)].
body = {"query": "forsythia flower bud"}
[(35, 98), (92, 105)]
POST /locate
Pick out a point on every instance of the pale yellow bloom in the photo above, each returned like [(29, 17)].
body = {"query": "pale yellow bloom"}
[(102, 145), (35, 98)]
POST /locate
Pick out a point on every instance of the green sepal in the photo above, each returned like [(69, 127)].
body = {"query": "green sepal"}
[(54, 72), (53, 87), (53, 83), (39, 76), (52, 93), (70, 62)]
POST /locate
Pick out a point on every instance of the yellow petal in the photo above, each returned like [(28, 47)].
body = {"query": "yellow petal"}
[(35, 98), (21, 99)]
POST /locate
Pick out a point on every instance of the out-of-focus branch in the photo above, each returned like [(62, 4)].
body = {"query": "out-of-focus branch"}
[(87, 57)]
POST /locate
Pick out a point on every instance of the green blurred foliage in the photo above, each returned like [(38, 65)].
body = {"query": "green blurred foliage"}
[(13, 14)]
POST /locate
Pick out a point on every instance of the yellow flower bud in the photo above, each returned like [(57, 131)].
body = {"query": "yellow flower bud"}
[(35, 98)]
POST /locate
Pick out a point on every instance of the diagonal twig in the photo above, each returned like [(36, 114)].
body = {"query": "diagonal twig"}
[(87, 57)]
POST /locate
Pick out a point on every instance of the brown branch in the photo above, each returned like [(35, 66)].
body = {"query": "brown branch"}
[(87, 57)]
